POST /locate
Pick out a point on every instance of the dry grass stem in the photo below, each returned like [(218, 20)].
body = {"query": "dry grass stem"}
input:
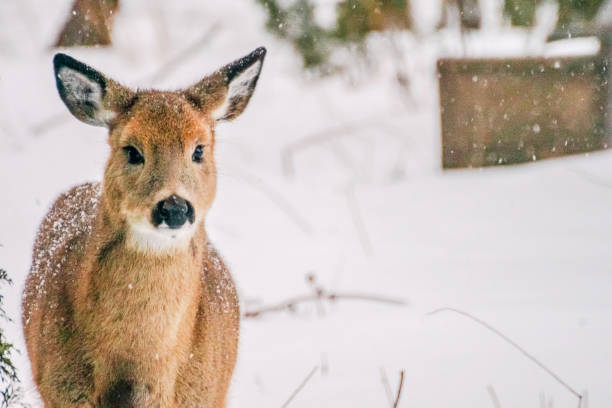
[(386, 386), (302, 385), (513, 344), (49, 123), (591, 178), (324, 364), (399, 390), (493, 395)]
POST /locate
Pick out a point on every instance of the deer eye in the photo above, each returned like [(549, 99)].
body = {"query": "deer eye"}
[(133, 155), (198, 153)]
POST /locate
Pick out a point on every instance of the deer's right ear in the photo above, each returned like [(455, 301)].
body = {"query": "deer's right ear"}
[(225, 93), (89, 95)]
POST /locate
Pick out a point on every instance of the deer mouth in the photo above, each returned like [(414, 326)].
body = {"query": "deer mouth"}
[(144, 235)]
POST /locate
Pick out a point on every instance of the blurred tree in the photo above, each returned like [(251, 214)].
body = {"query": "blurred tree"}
[(357, 18), (295, 22), (469, 13), (521, 12), (576, 12), (573, 15), (90, 23)]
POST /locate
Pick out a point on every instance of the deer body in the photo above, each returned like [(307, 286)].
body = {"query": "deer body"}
[(127, 304)]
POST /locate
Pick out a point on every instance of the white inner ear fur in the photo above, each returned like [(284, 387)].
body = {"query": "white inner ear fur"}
[(81, 89), (239, 87)]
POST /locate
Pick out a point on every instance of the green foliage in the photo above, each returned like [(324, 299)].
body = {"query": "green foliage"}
[(520, 12), (9, 391), (357, 18), (295, 22), (571, 12)]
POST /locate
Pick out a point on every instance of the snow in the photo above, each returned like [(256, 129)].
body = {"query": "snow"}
[(363, 206), (67, 222)]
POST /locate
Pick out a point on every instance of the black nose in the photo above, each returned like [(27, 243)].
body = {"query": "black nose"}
[(173, 211)]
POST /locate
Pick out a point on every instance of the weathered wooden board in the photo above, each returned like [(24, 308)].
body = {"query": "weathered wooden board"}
[(505, 111)]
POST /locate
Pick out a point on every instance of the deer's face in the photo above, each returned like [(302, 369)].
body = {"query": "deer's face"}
[(160, 178), (161, 171)]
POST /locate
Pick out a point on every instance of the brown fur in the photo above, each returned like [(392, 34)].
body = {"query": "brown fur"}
[(103, 317)]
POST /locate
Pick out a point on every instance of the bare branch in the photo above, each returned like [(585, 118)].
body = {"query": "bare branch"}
[(399, 389), (302, 385), (290, 304), (513, 344)]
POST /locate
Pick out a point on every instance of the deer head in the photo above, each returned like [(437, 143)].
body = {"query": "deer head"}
[(160, 178)]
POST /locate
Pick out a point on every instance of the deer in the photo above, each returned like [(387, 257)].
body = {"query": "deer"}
[(127, 303)]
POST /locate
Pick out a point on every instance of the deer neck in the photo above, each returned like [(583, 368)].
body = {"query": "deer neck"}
[(123, 285)]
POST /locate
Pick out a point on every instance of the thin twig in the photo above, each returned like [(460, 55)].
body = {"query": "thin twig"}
[(402, 76), (324, 364), (362, 232), (317, 290), (591, 178), (399, 389), (377, 124), (50, 122), (343, 157), (316, 138), (290, 304), (279, 200), (512, 343), (299, 388), (493, 395), (386, 386)]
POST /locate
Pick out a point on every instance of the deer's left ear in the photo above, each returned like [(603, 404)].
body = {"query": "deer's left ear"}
[(225, 94), (89, 95)]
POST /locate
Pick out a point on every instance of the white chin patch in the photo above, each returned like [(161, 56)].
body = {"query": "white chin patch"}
[(144, 237)]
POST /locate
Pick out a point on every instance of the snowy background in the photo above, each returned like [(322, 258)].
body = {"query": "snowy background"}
[(340, 178)]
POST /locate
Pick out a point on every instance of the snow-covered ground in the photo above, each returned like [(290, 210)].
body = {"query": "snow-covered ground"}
[(363, 206)]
